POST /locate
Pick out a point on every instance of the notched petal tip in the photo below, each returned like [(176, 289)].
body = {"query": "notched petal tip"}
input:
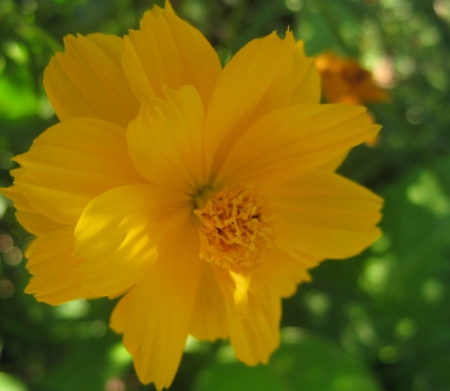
[(87, 80)]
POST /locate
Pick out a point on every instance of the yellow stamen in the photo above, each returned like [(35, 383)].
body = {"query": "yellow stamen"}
[(236, 228)]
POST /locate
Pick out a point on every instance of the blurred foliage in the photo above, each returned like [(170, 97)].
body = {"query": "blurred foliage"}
[(379, 321)]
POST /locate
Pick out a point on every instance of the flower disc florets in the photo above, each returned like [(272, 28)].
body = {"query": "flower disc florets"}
[(236, 228)]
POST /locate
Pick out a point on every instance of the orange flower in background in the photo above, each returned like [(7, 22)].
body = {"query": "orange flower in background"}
[(345, 81), (200, 195)]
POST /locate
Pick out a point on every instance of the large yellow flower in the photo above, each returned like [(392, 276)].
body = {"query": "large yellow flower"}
[(202, 195)]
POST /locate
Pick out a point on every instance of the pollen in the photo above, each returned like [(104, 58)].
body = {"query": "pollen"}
[(236, 228)]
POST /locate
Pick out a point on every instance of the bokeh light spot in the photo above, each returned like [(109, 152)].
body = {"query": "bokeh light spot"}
[(415, 115), (13, 256), (225, 354), (432, 290), (291, 335), (375, 274), (315, 6), (406, 328), (28, 6), (427, 192), (194, 10), (119, 356), (318, 303), (11, 383), (6, 243), (115, 384), (7, 289), (73, 309), (388, 354), (294, 5), (382, 244), (442, 9), (16, 52), (97, 329)]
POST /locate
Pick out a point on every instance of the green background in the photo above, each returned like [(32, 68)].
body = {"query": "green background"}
[(379, 321)]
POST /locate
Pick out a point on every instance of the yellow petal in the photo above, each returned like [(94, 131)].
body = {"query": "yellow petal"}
[(240, 295), (306, 84), (33, 221), (292, 141), (252, 83), (87, 80), (325, 215), (255, 336), (209, 320), (334, 164), (168, 7), (120, 230), (71, 163), (169, 137), (167, 51), (156, 314), (279, 274), (55, 269)]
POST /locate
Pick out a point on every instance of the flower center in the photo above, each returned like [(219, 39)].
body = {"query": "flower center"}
[(236, 228)]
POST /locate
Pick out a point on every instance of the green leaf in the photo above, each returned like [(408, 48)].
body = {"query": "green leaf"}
[(11, 383), (303, 362)]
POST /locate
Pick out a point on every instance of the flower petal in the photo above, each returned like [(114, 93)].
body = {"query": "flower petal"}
[(325, 215), (55, 268), (88, 81), (119, 234), (209, 321), (306, 84), (334, 164), (292, 141), (280, 274), (33, 221), (241, 288), (167, 51), (256, 335), (252, 83), (71, 163), (156, 314), (169, 137)]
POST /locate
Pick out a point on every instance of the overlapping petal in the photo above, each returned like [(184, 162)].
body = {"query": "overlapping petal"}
[(33, 221), (209, 320), (71, 163), (167, 51), (279, 274), (256, 335), (166, 141), (119, 232), (325, 215), (292, 141), (252, 83), (87, 80), (305, 78), (155, 316), (55, 268)]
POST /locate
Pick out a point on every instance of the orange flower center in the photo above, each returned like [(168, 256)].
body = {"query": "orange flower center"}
[(235, 230)]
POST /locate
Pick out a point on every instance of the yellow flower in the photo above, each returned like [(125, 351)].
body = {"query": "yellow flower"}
[(344, 81), (202, 195)]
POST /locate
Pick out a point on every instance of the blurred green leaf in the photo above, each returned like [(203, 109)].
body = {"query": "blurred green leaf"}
[(85, 365), (11, 383), (18, 96), (303, 362)]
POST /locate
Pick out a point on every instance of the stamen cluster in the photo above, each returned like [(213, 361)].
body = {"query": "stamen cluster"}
[(236, 228)]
